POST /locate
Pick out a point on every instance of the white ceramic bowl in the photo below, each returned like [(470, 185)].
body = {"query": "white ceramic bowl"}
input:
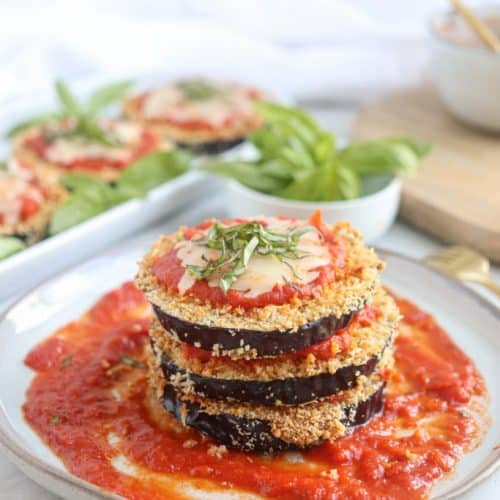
[(467, 77), (371, 214)]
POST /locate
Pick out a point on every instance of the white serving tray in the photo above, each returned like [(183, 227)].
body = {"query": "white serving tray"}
[(49, 256), (28, 267)]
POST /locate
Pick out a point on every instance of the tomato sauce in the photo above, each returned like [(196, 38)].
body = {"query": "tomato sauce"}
[(28, 200), (168, 270), (39, 145), (29, 207), (87, 402), (324, 350)]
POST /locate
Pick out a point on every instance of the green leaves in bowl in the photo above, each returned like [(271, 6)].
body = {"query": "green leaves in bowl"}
[(299, 160), (90, 196), (83, 113)]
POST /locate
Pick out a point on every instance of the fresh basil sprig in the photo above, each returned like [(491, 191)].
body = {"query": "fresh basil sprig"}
[(83, 113), (299, 160), (90, 196), (238, 243), (150, 171)]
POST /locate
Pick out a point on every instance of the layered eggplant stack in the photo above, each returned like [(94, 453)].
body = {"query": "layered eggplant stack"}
[(268, 333)]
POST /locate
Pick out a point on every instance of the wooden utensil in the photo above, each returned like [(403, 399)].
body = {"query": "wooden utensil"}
[(481, 29), (463, 264)]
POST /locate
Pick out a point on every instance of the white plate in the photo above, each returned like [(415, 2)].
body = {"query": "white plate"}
[(472, 322)]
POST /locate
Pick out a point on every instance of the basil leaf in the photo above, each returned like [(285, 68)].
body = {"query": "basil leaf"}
[(75, 182), (349, 185), (332, 181), (308, 187), (105, 96), (89, 198), (35, 120), (93, 132), (10, 245), (248, 174), (324, 149), (150, 171), (67, 99), (291, 123), (420, 148), (76, 209), (278, 169), (375, 157), (267, 141)]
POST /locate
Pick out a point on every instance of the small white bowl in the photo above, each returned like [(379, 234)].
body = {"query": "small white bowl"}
[(371, 214), (467, 77)]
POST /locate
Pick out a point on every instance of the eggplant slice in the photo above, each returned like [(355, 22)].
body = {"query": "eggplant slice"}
[(287, 391), (265, 343), (253, 434), (212, 147)]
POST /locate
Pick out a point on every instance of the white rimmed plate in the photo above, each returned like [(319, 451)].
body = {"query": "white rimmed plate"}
[(472, 322)]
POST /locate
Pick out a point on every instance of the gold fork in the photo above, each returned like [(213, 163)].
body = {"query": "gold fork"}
[(463, 264)]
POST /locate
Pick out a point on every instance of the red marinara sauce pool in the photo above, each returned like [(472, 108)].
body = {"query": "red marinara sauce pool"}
[(88, 404), (168, 270)]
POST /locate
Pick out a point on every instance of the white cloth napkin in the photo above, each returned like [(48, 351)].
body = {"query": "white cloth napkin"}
[(335, 49)]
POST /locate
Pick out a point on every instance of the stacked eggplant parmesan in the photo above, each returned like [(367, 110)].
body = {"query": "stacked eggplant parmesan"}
[(268, 333)]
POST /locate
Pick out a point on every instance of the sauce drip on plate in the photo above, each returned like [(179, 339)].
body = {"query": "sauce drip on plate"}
[(88, 402)]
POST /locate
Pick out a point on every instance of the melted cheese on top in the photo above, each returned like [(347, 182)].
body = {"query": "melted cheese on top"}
[(12, 189), (66, 150), (169, 102), (263, 273)]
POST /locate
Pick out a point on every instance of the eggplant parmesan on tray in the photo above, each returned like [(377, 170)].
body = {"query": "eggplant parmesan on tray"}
[(103, 149), (201, 115), (26, 204), (268, 333)]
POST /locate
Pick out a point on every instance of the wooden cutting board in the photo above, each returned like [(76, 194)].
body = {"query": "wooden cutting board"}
[(456, 194)]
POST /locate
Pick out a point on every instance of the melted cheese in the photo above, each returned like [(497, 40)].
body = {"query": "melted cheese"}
[(161, 101), (12, 189), (263, 273), (169, 103), (67, 150)]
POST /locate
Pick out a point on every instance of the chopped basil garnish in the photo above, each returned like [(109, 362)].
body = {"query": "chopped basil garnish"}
[(238, 243), (131, 362)]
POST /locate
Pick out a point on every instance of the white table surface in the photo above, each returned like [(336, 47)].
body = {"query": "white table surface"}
[(14, 485)]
